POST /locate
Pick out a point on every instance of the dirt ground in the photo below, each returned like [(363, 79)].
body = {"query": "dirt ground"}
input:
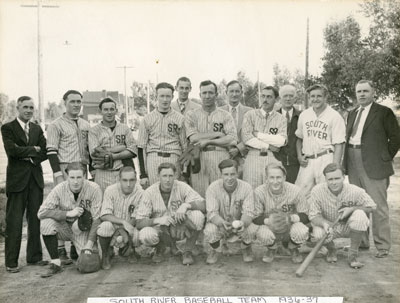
[(378, 281)]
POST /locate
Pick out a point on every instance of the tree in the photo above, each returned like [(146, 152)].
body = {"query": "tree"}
[(139, 92), (3, 102), (10, 111), (53, 111)]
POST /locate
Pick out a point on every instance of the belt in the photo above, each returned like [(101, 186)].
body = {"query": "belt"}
[(164, 155), (263, 154), (328, 151), (356, 146), (209, 148)]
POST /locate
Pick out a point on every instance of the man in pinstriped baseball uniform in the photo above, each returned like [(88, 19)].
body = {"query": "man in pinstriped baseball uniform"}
[(277, 195), (320, 138), (212, 129), (228, 199), (264, 132), (161, 136), (67, 142), (120, 201), (116, 138), (63, 206), (234, 92), (334, 199), (167, 207), (183, 104)]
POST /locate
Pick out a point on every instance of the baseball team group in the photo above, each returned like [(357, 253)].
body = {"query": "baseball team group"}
[(208, 176)]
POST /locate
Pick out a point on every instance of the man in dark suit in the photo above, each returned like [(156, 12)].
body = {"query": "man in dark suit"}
[(373, 139), (25, 146), (288, 154), (234, 92)]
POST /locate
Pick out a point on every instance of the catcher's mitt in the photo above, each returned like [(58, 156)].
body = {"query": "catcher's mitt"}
[(278, 222), (182, 230), (88, 261), (102, 158), (85, 220), (120, 238), (191, 158)]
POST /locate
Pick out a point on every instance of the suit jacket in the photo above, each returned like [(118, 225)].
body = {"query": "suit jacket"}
[(288, 154), (17, 148), (241, 111), (380, 140), (189, 106)]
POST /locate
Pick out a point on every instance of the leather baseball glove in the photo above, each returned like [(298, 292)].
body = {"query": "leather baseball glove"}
[(102, 158), (191, 158), (85, 220), (278, 222)]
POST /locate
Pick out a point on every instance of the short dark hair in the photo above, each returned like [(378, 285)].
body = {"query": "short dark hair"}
[(23, 98), (70, 92), (318, 86), (275, 165), (269, 87), (227, 163), (184, 79), (75, 166), (331, 167), (166, 165), (125, 169), (208, 82), (367, 81), (165, 85), (234, 82), (107, 100)]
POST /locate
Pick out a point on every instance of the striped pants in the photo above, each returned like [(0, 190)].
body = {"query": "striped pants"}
[(298, 234), (65, 231), (254, 167), (209, 171), (153, 161), (150, 236), (105, 178), (357, 221)]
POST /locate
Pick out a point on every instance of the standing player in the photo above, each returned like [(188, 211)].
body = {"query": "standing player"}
[(170, 210), (264, 132), (279, 196), (228, 199), (161, 136), (335, 199), (67, 142), (63, 206), (112, 139), (288, 154), (25, 146), (234, 92), (183, 104), (214, 131), (119, 203), (321, 136), (373, 139)]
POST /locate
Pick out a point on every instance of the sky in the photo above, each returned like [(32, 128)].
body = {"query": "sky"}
[(83, 42)]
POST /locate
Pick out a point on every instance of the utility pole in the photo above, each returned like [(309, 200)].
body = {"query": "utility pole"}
[(39, 6), (307, 55), (148, 97), (126, 97)]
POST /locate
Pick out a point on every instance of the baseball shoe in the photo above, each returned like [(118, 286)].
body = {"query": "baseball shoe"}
[(247, 253), (331, 256), (296, 256), (53, 269), (73, 253), (133, 257), (269, 255), (12, 270), (39, 263), (62, 253), (226, 251), (212, 257), (353, 262), (187, 258), (382, 253), (158, 256)]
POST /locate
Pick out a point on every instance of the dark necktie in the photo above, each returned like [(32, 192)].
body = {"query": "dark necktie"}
[(182, 107), (355, 125), (288, 120)]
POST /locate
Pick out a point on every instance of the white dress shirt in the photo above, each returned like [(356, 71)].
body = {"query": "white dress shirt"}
[(356, 140)]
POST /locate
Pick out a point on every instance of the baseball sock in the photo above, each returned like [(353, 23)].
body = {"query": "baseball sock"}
[(215, 245), (355, 239), (52, 247)]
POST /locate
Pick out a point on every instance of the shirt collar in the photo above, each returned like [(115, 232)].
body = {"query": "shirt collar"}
[(230, 107), (366, 108), (290, 111), (22, 123), (264, 113), (70, 119)]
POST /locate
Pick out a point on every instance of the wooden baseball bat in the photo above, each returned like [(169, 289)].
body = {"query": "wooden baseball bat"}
[(303, 266)]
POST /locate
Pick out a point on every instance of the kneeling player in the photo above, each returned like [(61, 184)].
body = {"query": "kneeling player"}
[(117, 213), (169, 211), (350, 203), (230, 210), (59, 213), (281, 211)]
